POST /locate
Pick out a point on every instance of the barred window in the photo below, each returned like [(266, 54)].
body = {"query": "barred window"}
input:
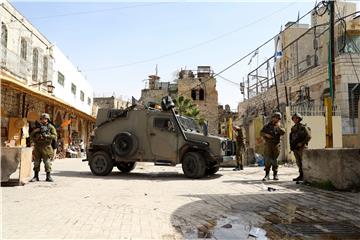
[(353, 104), (4, 35), (73, 88), (82, 96), (45, 68), (61, 79), (35, 64), (23, 50)]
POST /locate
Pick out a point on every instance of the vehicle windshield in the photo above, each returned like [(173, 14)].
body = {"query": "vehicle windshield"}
[(189, 124)]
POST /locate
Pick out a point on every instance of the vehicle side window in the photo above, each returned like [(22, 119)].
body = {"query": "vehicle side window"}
[(164, 124)]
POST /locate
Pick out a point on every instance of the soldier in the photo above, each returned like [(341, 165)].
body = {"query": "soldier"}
[(271, 133), (240, 147), (299, 138), (42, 136)]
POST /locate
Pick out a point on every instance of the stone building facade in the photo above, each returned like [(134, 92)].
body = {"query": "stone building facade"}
[(302, 71), (199, 87), (26, 72), (109, 102)]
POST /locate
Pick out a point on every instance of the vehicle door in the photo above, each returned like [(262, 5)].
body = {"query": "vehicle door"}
[(163, 137)]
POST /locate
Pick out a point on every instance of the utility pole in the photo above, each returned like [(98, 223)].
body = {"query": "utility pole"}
[(328, 101)]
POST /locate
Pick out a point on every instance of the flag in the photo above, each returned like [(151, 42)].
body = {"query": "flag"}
[(278, 46), (254, 55)]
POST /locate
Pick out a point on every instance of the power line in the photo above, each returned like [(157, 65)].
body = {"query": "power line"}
[(217, 74), (192, 47), (253, 51), (97, 11), (228, 80)]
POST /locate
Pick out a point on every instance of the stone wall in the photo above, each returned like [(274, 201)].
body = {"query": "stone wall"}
[(110, 102), (153, 95), (337, 167), (209, 106)]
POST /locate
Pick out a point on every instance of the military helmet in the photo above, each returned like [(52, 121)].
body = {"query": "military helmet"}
[(297, 115), (45, 116), (276, 114)]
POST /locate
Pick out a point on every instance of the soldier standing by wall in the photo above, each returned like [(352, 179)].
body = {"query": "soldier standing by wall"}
[(271, 132), (240, 147), (42, 136), (299, 138)]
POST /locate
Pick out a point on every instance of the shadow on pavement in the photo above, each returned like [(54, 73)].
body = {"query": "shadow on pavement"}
[(159, 176), (252, 182), (267, 215)]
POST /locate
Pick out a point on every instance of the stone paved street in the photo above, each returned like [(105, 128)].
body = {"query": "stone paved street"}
[(160, 203)]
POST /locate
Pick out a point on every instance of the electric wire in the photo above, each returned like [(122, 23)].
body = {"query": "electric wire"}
[(253, 51), (191, 47), (284, 48), (97, 11)]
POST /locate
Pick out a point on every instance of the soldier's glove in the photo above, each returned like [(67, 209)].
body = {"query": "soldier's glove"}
[(46, 135)]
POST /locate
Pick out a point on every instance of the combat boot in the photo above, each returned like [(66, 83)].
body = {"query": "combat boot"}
[(299, 178), (267, 177), (48, 177), (275, 176), (237, 168), (36, 177), (241, 167)]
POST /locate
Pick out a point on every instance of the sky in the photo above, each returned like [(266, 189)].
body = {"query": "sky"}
[(118, 44)]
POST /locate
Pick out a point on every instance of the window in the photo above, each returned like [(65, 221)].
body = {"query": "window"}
[(353, 105), (164, 124), (73, 88), (23, 50), (201, 94), (352, 44), (4, 35), (193, 94), (45, 68), (35, 64), (61, 79), (82, 96), (89, 101)]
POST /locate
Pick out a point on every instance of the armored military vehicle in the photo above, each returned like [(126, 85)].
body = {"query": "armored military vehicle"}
[(123, 137)]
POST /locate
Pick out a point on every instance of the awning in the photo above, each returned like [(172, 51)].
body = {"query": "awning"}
[(8, 80)]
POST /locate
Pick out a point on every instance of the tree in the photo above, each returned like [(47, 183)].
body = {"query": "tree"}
[(185, 107)]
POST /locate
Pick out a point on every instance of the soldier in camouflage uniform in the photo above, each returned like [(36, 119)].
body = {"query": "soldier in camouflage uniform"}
[(240, 147), (42, 136), (299, 138), (271, 133)]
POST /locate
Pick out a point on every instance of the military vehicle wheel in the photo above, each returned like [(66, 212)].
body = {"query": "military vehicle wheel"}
[(212, 170), (194, 165), (124, 144), (126, 166), (101, 164)]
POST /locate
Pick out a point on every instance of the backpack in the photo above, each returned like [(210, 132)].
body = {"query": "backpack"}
[(308, 136)]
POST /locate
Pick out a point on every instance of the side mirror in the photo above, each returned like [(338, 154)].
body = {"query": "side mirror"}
[(167, 103)]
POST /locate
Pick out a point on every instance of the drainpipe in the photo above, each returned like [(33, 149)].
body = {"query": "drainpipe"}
[(353, 107)]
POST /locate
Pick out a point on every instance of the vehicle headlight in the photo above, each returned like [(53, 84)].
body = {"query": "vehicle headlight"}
[(223, 145)]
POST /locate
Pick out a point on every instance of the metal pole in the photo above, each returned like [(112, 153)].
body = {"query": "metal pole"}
[(328, 101), (276, 90)]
